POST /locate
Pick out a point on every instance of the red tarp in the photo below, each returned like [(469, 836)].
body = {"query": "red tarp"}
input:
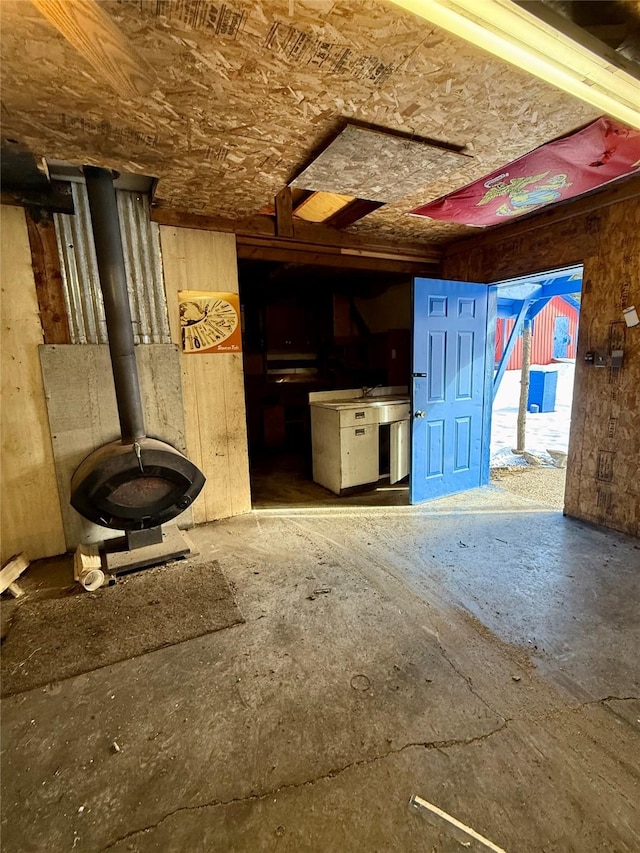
[(601, 152)]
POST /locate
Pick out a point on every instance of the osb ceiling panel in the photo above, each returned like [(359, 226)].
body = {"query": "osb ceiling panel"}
[(376, 166), (246, 92)]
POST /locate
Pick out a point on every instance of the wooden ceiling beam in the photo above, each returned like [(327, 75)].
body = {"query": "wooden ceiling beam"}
[(259, 224), (378, 252), (316, 237), (353, 212), (310, 255), (56, 197), (284, 213)]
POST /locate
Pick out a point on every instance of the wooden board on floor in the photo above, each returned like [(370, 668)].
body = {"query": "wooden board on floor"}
[(175, 544), (213, 383), (31, 519), (10, 574)]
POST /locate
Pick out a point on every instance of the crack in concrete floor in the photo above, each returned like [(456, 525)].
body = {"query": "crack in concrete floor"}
[(522, 719), (330, 774), (364, 762)]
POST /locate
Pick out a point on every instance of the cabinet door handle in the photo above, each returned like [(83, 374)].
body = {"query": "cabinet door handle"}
[(359, 415), (420, 414), (361, 431)]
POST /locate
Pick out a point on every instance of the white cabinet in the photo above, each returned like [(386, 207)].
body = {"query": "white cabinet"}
[(345, 439)]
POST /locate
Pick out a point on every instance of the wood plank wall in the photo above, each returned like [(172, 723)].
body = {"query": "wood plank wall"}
[(212, 384), (603, 476), (31, 518)]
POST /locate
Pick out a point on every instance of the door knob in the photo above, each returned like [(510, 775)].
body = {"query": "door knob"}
[(419, 414)]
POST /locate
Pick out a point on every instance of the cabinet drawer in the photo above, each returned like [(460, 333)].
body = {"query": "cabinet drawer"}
[(358, 455), (356, 417), (396, 412)]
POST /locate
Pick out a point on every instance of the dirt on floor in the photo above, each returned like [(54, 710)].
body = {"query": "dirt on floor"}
[(444, 650), (542, 484)]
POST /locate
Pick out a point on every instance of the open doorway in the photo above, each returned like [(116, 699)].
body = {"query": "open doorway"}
[(536, 344), (319, 330)]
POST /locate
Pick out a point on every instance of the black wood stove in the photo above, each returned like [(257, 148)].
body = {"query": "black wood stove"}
[(137, 483)]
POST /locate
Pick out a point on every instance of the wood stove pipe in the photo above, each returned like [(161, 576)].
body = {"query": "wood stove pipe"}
[(113, 282)]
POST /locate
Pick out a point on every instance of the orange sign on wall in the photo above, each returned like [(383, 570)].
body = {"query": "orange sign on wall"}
[(209, 322)]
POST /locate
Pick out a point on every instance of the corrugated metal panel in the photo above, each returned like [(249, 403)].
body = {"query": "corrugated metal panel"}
[(80, 272), (143, 262), (543, 332), (142, 258)]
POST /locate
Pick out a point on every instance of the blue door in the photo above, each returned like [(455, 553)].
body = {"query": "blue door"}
[(561, 338), (453, 341)]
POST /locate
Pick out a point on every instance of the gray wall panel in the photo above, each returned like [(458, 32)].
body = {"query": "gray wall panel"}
[(82, 412)]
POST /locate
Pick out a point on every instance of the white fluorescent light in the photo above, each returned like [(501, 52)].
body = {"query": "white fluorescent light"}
[(513, 34)]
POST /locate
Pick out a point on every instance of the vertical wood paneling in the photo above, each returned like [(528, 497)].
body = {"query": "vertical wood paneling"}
[(212, 384), (31, 519), (603, 470), (48, 277)]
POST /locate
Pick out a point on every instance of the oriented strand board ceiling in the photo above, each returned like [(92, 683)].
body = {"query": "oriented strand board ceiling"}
[(247, 92)]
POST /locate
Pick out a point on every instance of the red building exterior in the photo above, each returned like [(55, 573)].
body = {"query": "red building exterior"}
[(546, 328)]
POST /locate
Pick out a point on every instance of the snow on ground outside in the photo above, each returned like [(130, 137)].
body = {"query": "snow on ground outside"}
[(544, 430)]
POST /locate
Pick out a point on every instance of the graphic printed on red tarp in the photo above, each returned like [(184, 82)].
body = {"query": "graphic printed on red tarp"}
[(601, 152)]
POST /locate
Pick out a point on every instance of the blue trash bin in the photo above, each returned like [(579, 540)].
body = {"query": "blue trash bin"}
[(542, 390)]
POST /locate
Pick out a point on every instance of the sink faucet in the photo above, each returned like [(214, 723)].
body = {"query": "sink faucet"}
[(366, 391)]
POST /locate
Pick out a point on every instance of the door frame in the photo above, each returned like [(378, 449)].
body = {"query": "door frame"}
[(489, 371)]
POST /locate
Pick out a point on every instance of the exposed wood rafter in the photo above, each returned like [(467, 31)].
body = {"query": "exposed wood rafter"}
[(358, 209), (284, 213)]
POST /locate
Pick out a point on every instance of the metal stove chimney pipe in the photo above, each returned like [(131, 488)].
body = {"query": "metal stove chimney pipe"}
[(113, 282)]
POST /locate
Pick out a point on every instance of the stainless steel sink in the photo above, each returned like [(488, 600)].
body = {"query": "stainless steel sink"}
[(394, 398)]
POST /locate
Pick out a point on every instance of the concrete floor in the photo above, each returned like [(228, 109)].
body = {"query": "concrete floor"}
[(481, 652)]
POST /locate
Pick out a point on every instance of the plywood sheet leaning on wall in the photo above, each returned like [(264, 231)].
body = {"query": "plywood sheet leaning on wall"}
[(212, 384), (31, 519)]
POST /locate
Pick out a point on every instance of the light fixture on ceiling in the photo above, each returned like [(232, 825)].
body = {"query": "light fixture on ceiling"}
[(505, 29)]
